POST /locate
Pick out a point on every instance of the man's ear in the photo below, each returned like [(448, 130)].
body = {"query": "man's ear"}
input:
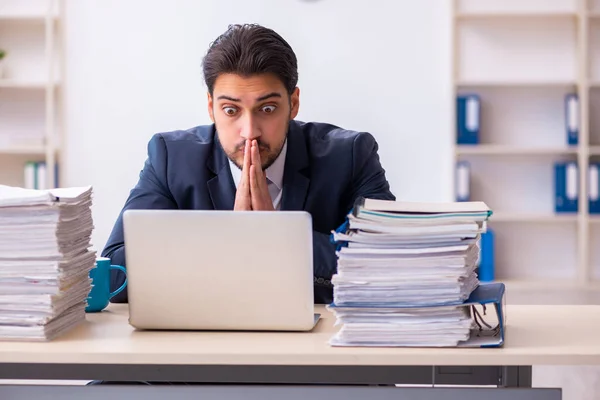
[(295, 103), (210, 108)]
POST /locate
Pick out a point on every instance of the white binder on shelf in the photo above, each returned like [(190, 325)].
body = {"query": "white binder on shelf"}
[(572, 118), (463, 181), (593, 188)]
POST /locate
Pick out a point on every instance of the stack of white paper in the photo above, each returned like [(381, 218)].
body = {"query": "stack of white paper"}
[(397, 262), (426, 327), (45, 259)]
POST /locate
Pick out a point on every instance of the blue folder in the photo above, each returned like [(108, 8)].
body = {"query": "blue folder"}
[(487, 335), (468, 108), (566, 187), (486, 270)]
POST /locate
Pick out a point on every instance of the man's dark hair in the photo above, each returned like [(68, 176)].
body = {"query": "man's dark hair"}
[(248, 50)]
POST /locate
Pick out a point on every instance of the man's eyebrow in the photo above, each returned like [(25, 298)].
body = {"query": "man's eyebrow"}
[(224, 97), (261, 98), (268, 96)]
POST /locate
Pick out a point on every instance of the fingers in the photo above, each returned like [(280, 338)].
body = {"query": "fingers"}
[(260, 199), (242, 197), (256, 161), (245, 180), (247, 162), (255, 193), (259, 192), (256, 156)]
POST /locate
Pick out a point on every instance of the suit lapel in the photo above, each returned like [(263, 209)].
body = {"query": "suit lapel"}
[(295, 178), (220, 187)]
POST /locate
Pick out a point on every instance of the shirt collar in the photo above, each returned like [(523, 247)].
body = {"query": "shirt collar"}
[(274, 172)]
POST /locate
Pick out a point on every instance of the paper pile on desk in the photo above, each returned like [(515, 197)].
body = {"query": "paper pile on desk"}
[(45, 259), (397, 261)]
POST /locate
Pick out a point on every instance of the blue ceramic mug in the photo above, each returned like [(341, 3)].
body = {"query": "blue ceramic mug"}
[(100, 294)]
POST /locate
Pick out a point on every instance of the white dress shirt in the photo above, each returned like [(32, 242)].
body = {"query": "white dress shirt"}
[(274, 177)]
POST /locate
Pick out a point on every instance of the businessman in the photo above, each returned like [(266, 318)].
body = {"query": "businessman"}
[(255, 155)]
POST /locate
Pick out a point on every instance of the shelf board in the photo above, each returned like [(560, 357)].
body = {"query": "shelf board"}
[(22, 17), (497, 149), (520, 284), (594, 150), (594, 219), (594, 84), (594, 14), (532, 217), (515, 14), (22, 150), (23, 84), (551, 291), (548, 284), (515, 83)]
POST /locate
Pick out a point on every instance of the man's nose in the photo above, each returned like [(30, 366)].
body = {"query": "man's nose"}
[(249, 130)]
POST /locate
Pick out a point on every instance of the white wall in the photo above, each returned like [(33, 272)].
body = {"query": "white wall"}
[(133, 68)]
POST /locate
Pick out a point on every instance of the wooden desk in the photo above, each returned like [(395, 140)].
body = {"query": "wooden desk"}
[(536, 335), (107, 347)]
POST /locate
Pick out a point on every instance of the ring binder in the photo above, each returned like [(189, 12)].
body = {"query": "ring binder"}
[(483, 333), (463, 185), (572, 118), (566, 186), (493, 336), (468, 118)]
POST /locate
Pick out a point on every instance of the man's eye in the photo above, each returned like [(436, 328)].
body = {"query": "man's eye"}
[(230, 110), (268, 109)]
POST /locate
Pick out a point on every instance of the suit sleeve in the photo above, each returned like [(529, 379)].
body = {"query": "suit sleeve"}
[(150, 192), (368, 176), (369, 181)]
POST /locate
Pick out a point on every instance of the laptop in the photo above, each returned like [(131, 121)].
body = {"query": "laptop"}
[(219, 270)]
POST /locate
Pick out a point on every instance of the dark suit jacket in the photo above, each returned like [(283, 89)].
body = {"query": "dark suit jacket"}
[(326, 169)]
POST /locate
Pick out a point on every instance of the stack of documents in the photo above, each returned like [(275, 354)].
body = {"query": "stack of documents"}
[(45, 259), (425, 327), (401, 267)]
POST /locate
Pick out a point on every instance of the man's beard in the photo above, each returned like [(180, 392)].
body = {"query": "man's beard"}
[(268, 154)]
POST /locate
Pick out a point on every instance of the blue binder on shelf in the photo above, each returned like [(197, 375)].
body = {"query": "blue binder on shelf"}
[(463, 181), (566, 184), (487, 333), (594, 188), (572, 118), (468, 111)]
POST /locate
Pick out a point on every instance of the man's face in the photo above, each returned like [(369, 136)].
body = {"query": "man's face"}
[(247, 108)]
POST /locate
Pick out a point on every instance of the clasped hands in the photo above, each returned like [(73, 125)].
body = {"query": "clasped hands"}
[(252, 192)]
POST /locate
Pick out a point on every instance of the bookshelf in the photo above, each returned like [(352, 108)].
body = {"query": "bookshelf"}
[(507, 150), (522, 57), (494, 14), (29, 89)]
